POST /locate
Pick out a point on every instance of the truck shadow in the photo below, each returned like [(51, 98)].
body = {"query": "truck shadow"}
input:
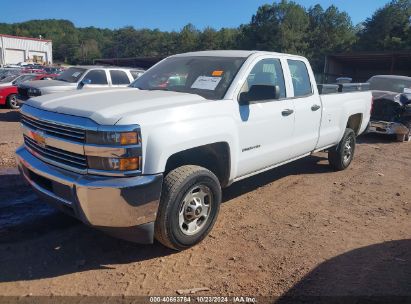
[(306, 165), (379, 273), (56, 245), (9, 115), (50, 244)]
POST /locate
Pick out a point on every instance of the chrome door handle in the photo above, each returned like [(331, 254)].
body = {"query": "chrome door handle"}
[(315, 107), (287, 112)]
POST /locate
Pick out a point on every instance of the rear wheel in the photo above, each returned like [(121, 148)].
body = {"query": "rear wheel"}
[(12, 102), (340, 156), (189, 205)]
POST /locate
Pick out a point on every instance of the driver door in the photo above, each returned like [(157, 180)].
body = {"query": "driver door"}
[(266, 126)]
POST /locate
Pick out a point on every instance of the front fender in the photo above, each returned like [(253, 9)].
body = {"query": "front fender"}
[(165, 140)]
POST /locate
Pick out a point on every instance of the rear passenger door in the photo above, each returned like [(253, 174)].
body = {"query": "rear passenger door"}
[(307, 106), (119, 78)]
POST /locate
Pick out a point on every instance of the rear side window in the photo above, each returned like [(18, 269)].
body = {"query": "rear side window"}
[(97, 77), (119, 77), (300, 78)]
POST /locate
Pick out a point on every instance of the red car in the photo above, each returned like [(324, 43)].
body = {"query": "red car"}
[(8, 95)]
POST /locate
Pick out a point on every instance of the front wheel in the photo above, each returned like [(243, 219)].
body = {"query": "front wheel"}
[(189, 205), (12, 102), (340, 156)]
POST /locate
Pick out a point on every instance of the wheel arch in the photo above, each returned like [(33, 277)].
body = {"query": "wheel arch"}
[(215, 157), (354, 122)]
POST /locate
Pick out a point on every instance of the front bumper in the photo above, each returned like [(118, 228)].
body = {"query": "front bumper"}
[(123, 206), (21, 99), (387, 127)]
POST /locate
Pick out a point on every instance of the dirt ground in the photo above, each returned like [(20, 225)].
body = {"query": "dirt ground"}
[(300, 229)]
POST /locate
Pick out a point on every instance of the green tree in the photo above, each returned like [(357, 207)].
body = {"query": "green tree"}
[(228, 38), (388, 28), (188, 38), (330, 32), (280, 27), (208, 39)]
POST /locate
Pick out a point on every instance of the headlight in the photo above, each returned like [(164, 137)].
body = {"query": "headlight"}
[(112, 138), (115, 149)]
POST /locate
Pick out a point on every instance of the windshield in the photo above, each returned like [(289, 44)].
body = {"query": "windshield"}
[(24, 78), (206, 76), (9, 78), (72, 75), (389, 84)]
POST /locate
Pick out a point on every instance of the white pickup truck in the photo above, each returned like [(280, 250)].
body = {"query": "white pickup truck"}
[(150, 160)]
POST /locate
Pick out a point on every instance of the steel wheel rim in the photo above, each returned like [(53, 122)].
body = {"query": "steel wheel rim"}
[(195, 210), (348, 150), (13, 101)]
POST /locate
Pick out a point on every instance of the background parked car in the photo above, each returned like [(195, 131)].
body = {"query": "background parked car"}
[(13, 79), (80, 77), (5, 72), (53, 70), (8, 94), (391, 112)]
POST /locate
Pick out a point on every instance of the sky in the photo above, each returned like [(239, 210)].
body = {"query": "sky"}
[(164, 15)]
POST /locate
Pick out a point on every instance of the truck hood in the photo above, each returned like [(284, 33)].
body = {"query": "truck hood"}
[(107, 106)]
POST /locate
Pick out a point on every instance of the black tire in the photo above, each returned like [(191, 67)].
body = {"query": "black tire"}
[(12, 101), (177, 185), (340, 156)]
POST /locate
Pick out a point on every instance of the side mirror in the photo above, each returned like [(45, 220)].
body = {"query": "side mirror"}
[(259, 93), (83, 83)]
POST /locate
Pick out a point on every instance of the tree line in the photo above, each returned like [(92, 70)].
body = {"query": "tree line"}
[(283, 26)]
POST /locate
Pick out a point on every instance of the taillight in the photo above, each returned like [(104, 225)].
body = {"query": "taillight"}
[(372, 104)]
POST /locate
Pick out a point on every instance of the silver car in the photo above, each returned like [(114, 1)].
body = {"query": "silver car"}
[(80, 77)]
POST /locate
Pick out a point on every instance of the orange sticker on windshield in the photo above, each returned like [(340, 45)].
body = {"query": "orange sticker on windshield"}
[(217, 73)]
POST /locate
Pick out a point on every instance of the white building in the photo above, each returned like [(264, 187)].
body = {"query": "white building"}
[(15, 49)]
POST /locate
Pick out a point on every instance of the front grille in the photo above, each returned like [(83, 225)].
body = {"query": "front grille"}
[(56, 130), (57, 155), (23, 93)]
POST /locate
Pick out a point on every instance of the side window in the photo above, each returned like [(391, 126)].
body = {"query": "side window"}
[(119, 77), (136, 74), (300, 78), (266, 72), (97, 77)]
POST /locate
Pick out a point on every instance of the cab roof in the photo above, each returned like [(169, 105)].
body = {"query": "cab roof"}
[(233, 53)]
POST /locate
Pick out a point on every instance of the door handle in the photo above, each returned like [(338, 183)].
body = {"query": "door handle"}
[(315, 107), (287, 112)]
